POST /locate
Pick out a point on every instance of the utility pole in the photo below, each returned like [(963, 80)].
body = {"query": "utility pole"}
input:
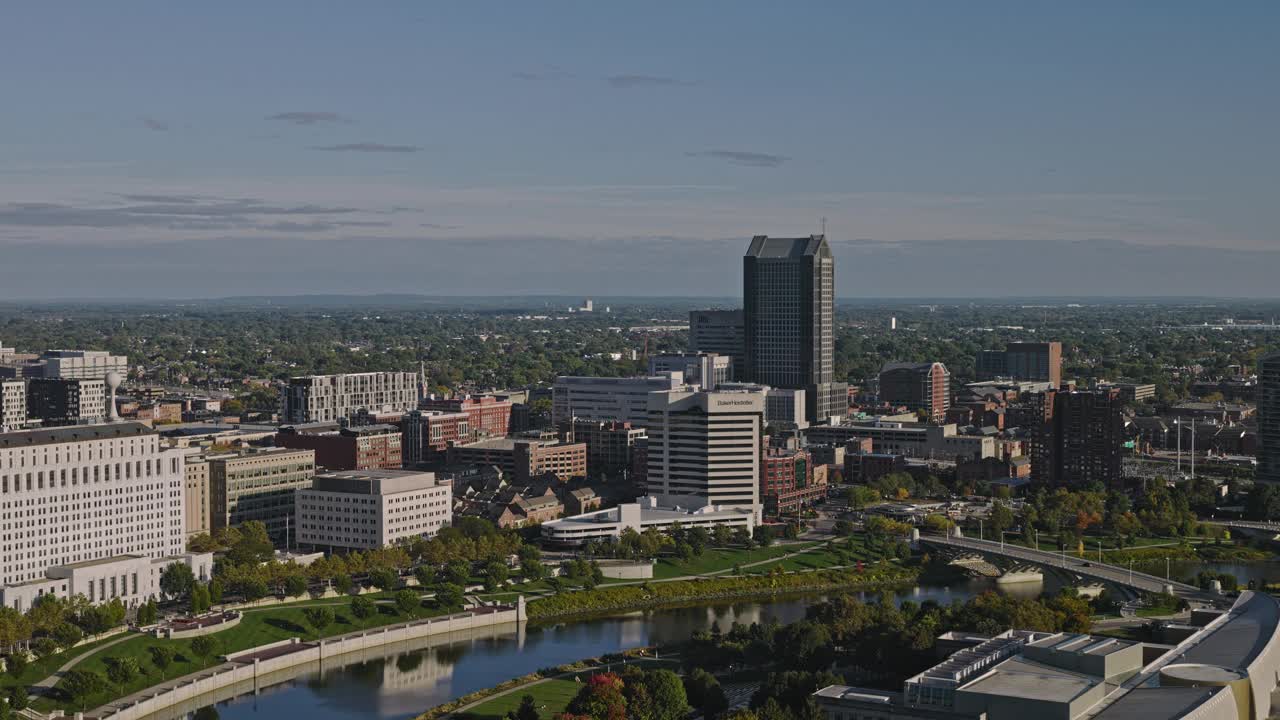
[(1193, 449)]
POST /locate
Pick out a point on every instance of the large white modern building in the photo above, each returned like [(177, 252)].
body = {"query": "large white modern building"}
[(330, 398), (83, 364), (85, 494), (366, 509), (704, 448), (644, 514), (606, 398)]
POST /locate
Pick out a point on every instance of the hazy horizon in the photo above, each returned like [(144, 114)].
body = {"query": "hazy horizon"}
[(1005, 149)]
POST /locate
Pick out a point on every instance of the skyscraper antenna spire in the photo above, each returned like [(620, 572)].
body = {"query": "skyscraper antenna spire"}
[(824, 226)]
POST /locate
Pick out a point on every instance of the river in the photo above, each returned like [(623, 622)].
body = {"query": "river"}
[(402, 685)]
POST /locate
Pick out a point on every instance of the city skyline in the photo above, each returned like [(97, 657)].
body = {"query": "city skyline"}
[(333, 145)]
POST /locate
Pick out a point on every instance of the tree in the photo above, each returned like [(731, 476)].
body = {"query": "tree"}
[(67, 635), (1263, 502), (457, 572), (177, 580), (528, 710), (700, 689), (319, 618), (449, 596), (18, 699), (937, 524), (200, 600), (162, 657), (1001, 518), (384, 578), (16, 664), (363, 607), (204, 646), (123, 670), (250, 544), (666, 695), (148, 613), (600, 699), (424, 575), (295, 586), (495, 574), (80, 684), (407, 601), (342, 583)]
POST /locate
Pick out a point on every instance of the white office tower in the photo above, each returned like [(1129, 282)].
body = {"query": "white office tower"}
[(704, 448), (93, 502), (13, 405)]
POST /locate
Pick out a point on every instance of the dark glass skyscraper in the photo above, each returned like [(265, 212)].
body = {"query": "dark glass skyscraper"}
[(788, 290), (1269, 418)]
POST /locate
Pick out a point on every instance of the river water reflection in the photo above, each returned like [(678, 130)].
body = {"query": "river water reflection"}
[(404, 684)]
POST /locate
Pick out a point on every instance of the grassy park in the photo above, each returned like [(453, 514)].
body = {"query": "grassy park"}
[(257, 627)]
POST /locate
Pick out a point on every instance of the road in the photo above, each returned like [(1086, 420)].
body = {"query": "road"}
[(1247, 525), (1094, 570)]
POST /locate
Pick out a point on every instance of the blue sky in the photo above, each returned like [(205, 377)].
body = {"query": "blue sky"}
[(153, 127)]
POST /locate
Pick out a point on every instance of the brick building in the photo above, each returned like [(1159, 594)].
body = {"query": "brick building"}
[(427, 434), (524, 459), (487, 416), (787, 481), (917, 386), (367, 447)]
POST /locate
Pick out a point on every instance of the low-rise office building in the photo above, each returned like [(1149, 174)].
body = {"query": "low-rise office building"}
[(608, 398), (525, 459), (427, 434), (609, 445), (706, 370), (62, 401), (367, 509), (259, 485), (366, 447), (909, 439), (487, 416), (131, 579)]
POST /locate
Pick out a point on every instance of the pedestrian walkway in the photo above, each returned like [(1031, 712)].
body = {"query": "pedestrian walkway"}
[(43, 687)]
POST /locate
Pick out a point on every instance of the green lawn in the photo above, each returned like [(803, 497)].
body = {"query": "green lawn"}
[(551, 697), (43, 668), (717, 559), (257, 627)]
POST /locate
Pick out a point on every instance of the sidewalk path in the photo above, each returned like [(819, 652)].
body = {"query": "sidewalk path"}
[(47, 684)]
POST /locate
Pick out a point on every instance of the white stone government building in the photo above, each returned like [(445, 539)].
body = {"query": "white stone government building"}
[(94, 510)]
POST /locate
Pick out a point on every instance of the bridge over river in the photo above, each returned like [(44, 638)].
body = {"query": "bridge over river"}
[(1113, 574)]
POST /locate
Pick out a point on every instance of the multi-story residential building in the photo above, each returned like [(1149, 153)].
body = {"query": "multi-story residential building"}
[(83, 364), (1023, 361), (427, 434), (88, 494), (330, 398), (367, 509), (13, 405), (609, 445), (707, 370), (605, 398), (1081, 443), (196, 490), (787, 481), (1269, 418), (62, 401), (918, 386), (259, 485), (525, 460), (487, 416), (788, 287), (720, 332), (366, 447), (704, 448)]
